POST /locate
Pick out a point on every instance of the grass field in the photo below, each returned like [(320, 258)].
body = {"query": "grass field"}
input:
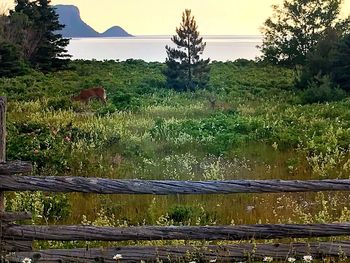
[(258, 129)]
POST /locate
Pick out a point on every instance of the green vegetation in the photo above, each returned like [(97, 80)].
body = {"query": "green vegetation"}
[(296, 27), (257, 130), (185, 70), (28, 37), (247, 120), (310, 37)]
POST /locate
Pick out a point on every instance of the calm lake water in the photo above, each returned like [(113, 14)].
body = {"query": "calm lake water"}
[(152, 48)]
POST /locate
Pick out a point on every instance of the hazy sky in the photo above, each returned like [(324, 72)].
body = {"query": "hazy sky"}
[(152, 17)]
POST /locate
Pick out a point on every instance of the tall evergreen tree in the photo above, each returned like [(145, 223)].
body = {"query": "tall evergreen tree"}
[(185, 70), (51, 53), (41, 44), (296, 27)]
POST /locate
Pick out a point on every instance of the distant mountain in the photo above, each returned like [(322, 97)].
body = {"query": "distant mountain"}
[(115, 31), (69, 16)]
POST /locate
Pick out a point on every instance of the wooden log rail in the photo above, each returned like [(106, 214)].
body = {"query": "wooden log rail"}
[(12, 217), (16, 246), (239, 232), (223, 253), (167, 187), (15, 167)]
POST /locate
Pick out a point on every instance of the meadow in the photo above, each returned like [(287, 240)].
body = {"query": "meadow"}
[(258, 128)]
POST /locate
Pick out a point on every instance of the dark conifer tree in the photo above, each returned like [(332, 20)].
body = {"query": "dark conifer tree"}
[(340, 59), (185, 70), (11, 61), (41, 45), (51, 54)]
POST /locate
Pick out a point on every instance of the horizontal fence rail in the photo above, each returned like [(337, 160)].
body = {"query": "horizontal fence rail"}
[(223, 253), (12, 217), (15, 246), (15, 167), (239, 232), (167, 187)]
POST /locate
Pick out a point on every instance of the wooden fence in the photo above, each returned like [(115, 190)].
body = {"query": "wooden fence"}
[(16, 239)]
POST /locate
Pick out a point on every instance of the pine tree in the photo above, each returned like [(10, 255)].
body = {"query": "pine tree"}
[(41, 45), (185, 70), (51, 53)]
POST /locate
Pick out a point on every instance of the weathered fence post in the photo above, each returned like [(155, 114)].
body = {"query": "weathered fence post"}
[(3, 106)]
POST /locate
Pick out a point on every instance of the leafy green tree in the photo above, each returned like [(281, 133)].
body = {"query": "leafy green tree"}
[(185, 69), (340, 63), (318, 63), (296, 27)]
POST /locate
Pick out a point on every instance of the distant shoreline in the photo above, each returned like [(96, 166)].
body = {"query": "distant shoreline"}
[(258, 37), (151, 48)]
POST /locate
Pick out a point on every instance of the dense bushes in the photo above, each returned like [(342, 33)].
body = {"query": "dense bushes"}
[(325, 76), (322, 89)]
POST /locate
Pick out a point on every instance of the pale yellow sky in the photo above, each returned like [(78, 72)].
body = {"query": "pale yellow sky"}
[(157, 17)]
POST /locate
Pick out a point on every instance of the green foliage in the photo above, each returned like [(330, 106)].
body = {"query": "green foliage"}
[(321, 89), (56, 104), (185, 70), (33, 27), (330, 61), (123, 100), (43, 207), (259, 130), (37, 143), (296, 27), (218, 133), (340, 64), (318, 63), (106, 110), (11, 62), (181, 214)]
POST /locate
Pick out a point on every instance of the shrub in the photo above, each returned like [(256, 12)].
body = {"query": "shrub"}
[(106, 110), (181, 213), (322, 90), (124, 100), (52, 207), (11, 63), (59, 104)]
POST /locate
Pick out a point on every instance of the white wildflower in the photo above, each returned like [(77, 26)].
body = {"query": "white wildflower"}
[(275, 146), (268, 259), (291, 260), (117, 257), (26, 260), (192, 262), (307, 258), (212, 260)]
